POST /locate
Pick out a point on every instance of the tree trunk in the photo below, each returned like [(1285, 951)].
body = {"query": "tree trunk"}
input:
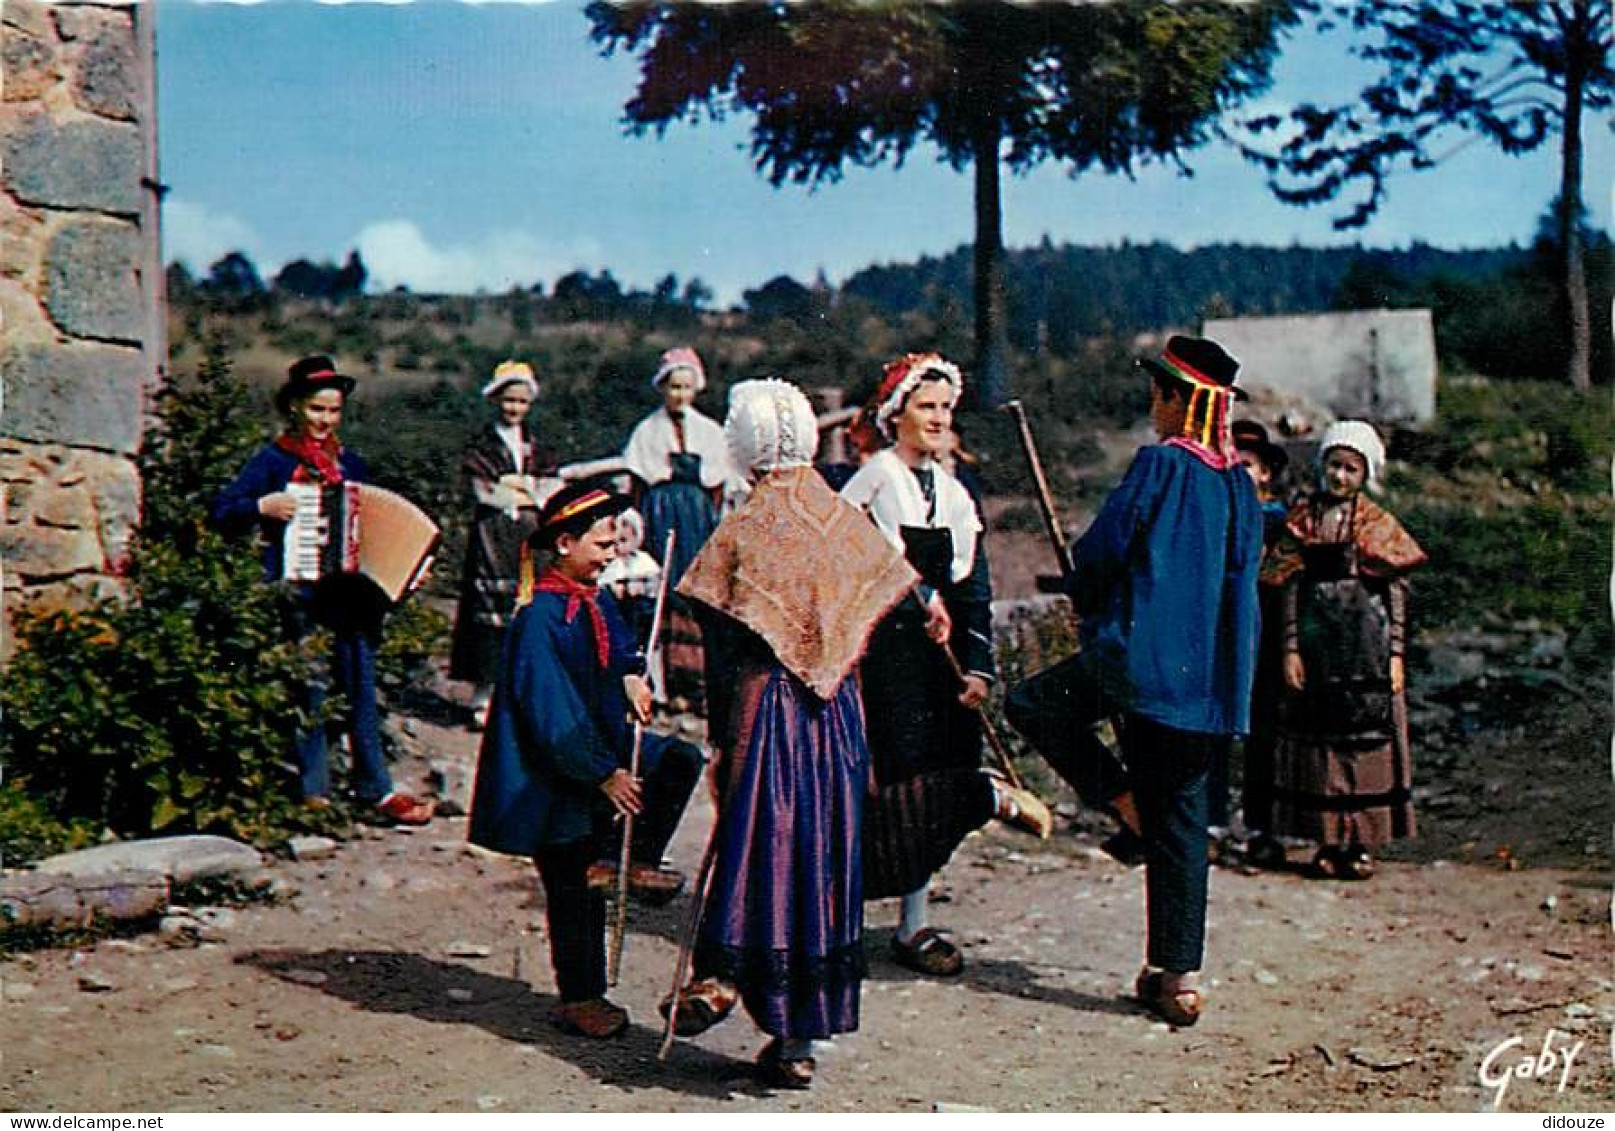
[(992, 343), (1578, 365)]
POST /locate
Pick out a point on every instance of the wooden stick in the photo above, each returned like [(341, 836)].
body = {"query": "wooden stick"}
[(993, 739), (1045, 498), (692, 924), (619, 922)]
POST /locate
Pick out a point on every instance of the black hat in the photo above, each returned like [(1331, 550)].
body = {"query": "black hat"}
[(1251, 436), (309, 375), (575, 508), (1196, 361)]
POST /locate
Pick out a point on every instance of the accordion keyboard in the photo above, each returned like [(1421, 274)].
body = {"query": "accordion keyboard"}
[(306, 534)]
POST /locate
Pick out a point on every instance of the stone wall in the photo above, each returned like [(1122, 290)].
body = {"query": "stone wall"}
[(80, 292)]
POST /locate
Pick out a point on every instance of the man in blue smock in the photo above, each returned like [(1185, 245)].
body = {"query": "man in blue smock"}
[(1165, 584)]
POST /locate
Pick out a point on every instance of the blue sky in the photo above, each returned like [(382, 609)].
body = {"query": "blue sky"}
[(478, 146)]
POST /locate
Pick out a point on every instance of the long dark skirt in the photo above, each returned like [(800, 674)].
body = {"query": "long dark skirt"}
[(926, 750), (684, 506), (784, 914), (1342, 767), (487, 592)]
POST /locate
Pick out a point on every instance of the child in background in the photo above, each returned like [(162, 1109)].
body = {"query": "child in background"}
[(1342, 768)]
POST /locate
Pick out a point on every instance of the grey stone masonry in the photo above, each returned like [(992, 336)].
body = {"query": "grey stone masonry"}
[(85, 395), (89, 163), (92, 279), (80, 295)]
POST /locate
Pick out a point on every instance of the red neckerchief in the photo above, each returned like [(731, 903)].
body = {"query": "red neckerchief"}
[(577, 593), (322, 460)]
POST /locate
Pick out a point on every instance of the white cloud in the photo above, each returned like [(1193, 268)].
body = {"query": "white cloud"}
[(198, 236), (397, 253)]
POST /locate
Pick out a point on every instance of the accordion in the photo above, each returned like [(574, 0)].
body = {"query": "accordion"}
[(361, 530)]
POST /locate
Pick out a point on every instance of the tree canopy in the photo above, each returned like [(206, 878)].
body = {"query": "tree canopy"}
[(986, 81), (1513, 74)]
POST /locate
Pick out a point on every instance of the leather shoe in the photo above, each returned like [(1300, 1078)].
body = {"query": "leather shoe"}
[(402, 809), (702, 1004), (796, 1074), (1024, 809), (646, 882), (596, 1018), (928, 953), (1168, 997)]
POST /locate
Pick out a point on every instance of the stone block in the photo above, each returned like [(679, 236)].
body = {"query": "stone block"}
[(85, 395), (31, 16), (29, 64), (92, 279), (31, 552), (22, 316), (22, 242), (104, 80), (182, 859), (114, 483), (86, 21), (65, 508), (85, 163)]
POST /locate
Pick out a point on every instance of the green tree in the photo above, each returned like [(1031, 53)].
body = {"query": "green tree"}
[(988, 82), (1514, 74)]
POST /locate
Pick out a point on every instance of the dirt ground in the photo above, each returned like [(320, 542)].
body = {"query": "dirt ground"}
[(411, 973)]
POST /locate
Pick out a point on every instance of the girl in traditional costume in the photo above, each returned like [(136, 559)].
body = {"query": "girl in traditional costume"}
[(783, 912), (309, 452), (924, 730), (502, 467), (681, 471), (558, 740), (1342, 768)]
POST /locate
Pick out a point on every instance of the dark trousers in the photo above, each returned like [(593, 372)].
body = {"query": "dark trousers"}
[(350, 671), (576, 917), (1059, 711), (1170, 769), (669, 768)]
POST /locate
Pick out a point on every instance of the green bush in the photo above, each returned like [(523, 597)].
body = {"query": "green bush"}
[(170, 710), (29, 831)]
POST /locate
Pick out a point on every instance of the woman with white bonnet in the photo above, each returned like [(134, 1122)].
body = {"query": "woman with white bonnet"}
[(783, 912), (502, 467), (681, 470), (679, 461), (1342, 769)]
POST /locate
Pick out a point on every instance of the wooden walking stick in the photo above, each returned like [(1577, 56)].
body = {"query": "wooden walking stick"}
[(619, 922), (692, 924), (1045, 498), (994, 741)]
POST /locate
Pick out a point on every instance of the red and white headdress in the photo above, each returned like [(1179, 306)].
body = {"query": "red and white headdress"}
[(903, 376)]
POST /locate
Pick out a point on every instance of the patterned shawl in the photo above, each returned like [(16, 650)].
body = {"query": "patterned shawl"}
[(805, 571), (1384, 547)]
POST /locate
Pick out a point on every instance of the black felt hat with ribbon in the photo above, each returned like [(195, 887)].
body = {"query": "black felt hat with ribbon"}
[(309, 375), (1197, 361), (575, 508)]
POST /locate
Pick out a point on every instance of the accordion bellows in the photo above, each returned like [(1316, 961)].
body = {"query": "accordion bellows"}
[(358, 528)]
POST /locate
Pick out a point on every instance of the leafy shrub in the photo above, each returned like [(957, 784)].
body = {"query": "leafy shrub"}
[(29, 831), (169, 711)]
